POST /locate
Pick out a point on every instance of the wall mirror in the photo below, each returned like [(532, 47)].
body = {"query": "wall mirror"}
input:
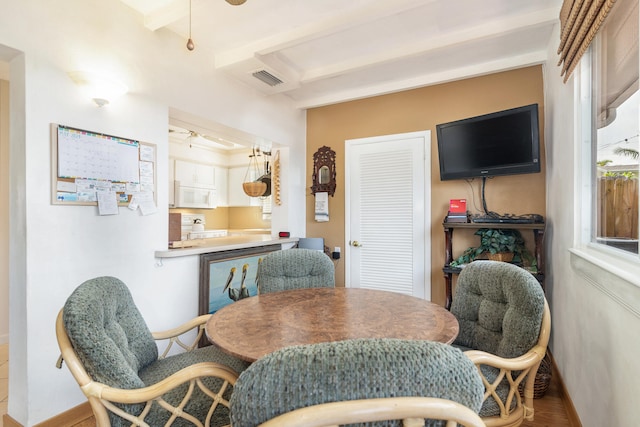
[(324, 175), (324, 171)]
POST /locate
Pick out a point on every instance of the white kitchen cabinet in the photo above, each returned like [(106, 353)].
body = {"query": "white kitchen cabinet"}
[(194, 173), (236, 195), (222, 178)]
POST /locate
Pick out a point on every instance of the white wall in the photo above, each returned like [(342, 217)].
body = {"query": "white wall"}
[(4, 209), (595, 312), (54, 248)]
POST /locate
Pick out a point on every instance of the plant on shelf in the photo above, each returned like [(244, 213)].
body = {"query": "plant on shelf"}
[(494, 241)]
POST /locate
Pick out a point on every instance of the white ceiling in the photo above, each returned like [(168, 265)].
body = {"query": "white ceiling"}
[(330, 51)]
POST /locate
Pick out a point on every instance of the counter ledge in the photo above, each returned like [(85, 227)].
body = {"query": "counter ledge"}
[(219, 244)]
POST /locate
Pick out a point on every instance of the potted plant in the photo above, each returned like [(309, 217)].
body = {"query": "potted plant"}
[(499, 244), (494, 243)]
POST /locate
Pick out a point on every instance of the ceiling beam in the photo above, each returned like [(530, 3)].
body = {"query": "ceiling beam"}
[(166, 15), (488, 30), (429, 79), (315, 30)]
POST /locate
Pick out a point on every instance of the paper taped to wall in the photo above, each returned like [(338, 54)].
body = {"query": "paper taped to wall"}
[(322, 207)]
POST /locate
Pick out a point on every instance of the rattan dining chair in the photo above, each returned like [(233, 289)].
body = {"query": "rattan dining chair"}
[(406, 411), (341, 374), (114, 357), (504, 323), (294, 269)]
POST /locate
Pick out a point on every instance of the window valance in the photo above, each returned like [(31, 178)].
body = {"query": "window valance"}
[(579, 23), (616, 50)]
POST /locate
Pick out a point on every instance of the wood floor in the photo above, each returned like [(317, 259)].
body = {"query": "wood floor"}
[(552, 410)]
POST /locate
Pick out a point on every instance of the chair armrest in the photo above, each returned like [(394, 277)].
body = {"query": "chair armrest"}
[(141, 395), (412, 410), (185, 327), (522, 367), (110, 397), (173, 335), (527, 360)]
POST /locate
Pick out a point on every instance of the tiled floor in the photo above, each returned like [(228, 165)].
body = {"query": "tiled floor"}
[(4, 379)]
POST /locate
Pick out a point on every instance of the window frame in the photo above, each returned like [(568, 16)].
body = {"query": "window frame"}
[(601, 259)]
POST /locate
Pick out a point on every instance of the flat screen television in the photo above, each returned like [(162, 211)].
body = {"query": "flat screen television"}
[(501, 143)]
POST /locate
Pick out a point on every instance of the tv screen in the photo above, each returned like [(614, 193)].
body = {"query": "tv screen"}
[(501, 143)]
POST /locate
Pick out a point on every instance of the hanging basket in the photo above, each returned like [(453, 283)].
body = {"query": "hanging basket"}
[(254, 188)]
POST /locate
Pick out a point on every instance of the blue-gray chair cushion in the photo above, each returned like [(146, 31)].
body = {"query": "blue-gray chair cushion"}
[(490, 407), (108, 332), (199, 403), (301, 376), (116, 348), (499, 307), (294, 269)]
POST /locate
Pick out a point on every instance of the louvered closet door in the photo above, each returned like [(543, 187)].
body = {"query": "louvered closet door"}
[(387, 213)]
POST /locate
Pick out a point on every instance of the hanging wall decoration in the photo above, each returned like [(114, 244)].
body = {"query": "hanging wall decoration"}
[(324, 171), (275, 178)]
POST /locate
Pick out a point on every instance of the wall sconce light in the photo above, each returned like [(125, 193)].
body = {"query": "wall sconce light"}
[(101, 89)]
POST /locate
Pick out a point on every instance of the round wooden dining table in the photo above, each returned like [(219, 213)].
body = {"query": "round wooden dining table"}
[(253, 327)]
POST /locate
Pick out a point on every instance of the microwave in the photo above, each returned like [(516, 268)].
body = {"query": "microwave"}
[(194, 195)]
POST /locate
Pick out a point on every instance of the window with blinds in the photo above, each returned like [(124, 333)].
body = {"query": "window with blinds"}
[(580, 21), (615, 100)]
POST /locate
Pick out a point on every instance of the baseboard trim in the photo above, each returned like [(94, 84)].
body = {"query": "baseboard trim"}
[(73, 416), (7, 421), (572, 414)]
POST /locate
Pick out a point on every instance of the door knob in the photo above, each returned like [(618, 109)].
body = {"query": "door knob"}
[(355, 244)]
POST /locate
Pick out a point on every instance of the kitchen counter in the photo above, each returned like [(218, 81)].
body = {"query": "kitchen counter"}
[(234, 232), (219, 244)]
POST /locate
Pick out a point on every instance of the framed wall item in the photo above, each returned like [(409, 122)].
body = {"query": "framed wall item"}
[(86, 165), (228, 276), (324, 171)]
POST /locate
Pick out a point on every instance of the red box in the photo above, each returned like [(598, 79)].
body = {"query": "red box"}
[(458, 206)]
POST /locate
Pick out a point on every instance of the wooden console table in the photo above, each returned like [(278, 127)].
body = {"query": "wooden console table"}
[(538, 235)]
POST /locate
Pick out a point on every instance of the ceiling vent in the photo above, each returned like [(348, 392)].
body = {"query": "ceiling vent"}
[(268, 78)]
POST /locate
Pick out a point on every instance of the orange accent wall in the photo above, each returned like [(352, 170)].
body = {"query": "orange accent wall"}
[(422, 109)]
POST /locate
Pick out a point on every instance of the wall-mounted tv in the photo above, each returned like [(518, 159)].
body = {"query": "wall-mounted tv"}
[(501, 143)]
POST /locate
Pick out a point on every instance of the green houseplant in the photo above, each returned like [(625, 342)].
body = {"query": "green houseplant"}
[(496, 241)]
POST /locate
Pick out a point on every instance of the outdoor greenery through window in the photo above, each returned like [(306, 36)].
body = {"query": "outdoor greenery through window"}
[(616, 144)]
